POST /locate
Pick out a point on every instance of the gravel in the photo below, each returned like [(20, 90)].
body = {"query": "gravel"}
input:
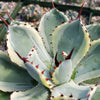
[(11, 5)]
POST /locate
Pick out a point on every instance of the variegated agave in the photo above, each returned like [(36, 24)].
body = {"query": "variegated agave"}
[(58, 62)]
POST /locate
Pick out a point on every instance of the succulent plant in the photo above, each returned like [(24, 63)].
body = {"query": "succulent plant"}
[(31, 12), (57, 63)]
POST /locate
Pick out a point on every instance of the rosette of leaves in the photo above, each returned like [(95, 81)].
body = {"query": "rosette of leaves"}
[(59, 62), (31, 12)]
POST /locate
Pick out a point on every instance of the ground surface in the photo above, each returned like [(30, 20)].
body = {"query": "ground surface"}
[(11, 5)]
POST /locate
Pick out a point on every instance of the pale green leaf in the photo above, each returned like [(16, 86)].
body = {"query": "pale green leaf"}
[(13, 77), (63, 72), (94, 31), (72, 90), (69, 36), (37, 93), (22, 38), (96, 95), (37, 69), (48, 23), (89, 67)]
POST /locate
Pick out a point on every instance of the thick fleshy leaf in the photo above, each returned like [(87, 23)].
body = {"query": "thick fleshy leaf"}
[(96, 95), (37, 69), (48, 24), (94, 31), (93, 81), (13, 77), (37, 93), (22, 38), (73, 91), (4, 96), (63, 72), (69, 36), (89, 67)]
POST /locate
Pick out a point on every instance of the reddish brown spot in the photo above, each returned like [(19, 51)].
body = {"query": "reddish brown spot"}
[(7, 48), (81, 24), (96, 83), (51, 73), (90, 44), (89, 36), (86, 31), (71, 96), (88, 95), (6, 39), (55, 68), (50, 34), (46, 79), (30, 54), (91, 88), (42, 72), (32, 62), (56, 26), (52, 96), (84, 57), (78, 99), (25, 24), (37, 66), (49, 84), (60, 62), (87, 51), (63, 22), (61, 95), (50, 42), (51, 88), (32, 50), (33, 46), (62, 53), (18, 24)]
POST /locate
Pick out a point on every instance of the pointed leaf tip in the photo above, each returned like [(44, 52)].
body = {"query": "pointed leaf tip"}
[(79, 14), (56, 61), (69, 56), (53, 4)]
